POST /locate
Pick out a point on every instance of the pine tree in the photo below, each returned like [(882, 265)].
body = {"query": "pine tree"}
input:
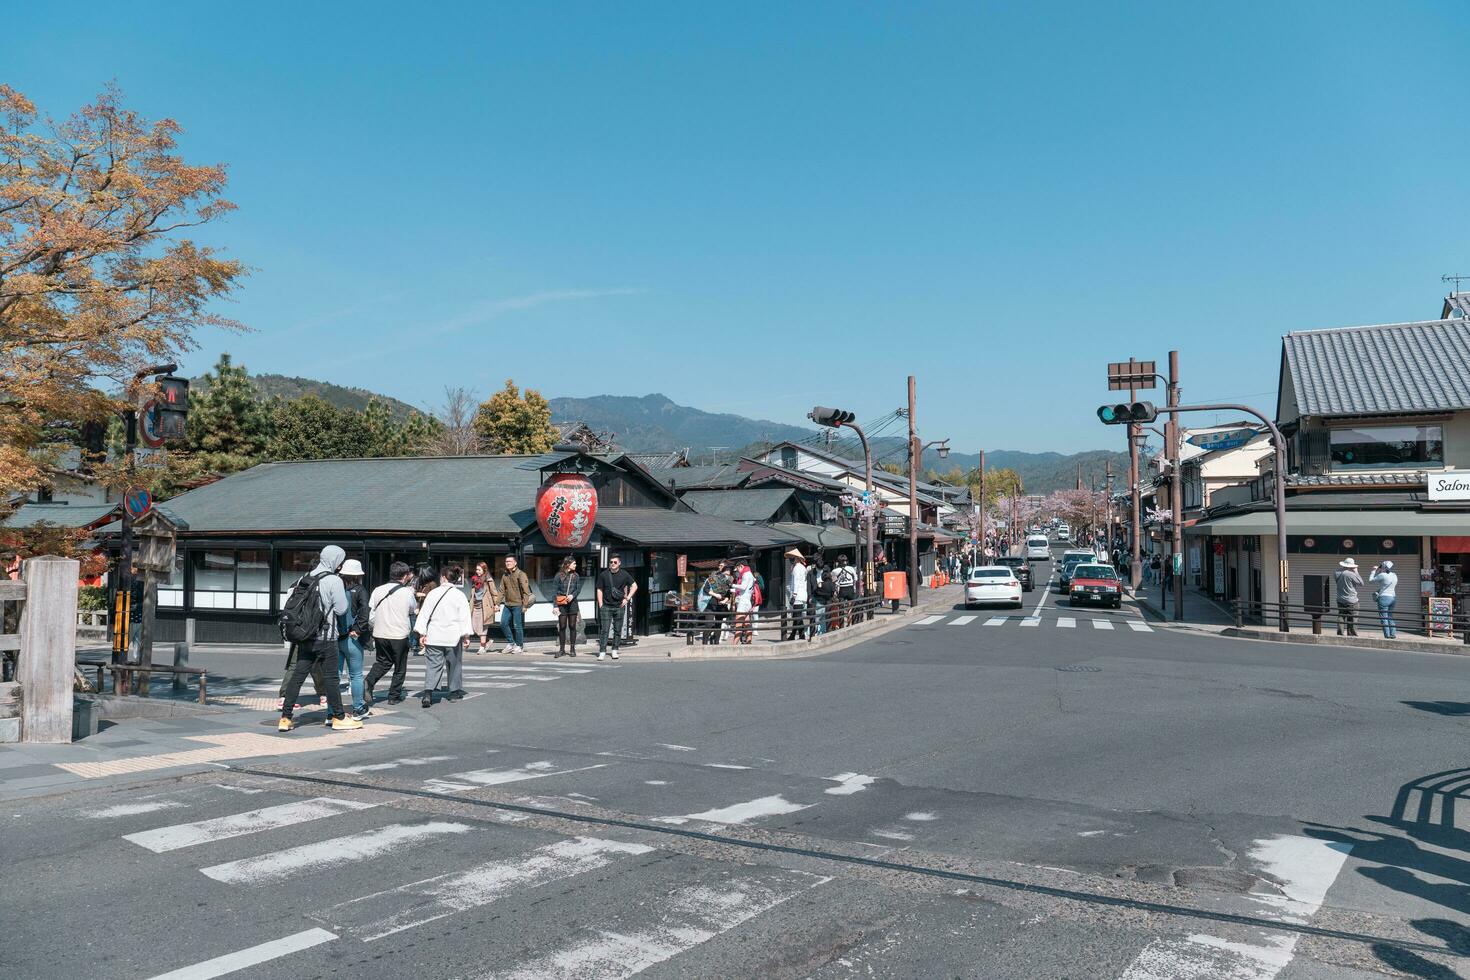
[(511, 423), (313, 428), (228, 426), (384, 434)]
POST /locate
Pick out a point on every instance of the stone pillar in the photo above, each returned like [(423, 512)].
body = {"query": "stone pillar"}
[(48, 648)]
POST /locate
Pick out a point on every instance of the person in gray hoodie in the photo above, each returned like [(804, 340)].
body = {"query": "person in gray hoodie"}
[(320, 660)]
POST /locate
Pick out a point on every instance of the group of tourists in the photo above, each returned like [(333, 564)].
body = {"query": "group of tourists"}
[(817, 598), (1348, 583), (330, 622)]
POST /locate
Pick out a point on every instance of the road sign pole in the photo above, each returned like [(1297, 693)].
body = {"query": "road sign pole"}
[(1176, 489), (914, 454), (122, 629)]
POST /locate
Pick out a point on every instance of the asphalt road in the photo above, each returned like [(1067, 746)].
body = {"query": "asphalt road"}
[(1041, 796)]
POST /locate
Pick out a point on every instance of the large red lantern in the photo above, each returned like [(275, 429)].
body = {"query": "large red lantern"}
[(566, 510)]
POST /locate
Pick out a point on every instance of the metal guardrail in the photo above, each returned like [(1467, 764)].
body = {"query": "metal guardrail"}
[(714, 627), (1412, 618)]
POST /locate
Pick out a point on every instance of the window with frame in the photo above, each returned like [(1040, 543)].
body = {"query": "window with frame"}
[(231, 579), (171, 590), (1387, 447)]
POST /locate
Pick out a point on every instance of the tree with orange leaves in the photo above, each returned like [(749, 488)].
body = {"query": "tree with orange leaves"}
[(97, 276)]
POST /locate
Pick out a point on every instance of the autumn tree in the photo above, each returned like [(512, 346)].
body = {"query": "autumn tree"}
[(229, 426), (510, 422), (97, 276)]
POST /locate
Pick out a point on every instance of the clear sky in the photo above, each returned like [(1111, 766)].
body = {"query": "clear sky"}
[(757, 207)]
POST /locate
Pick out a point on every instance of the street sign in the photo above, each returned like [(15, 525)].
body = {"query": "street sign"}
[(150, 424), (1228, 439), (1123, 375), (148, 458), (137, 502)]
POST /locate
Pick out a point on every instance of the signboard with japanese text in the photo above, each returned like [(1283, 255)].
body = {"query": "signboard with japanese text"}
[(1441, 616), (1226, 439)]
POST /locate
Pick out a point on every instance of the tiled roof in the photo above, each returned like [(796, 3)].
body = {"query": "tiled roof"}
[(59, 515), (759, 504), (1403, 478), (722, 477), (1396, 368), (656, 527), (829, 536)]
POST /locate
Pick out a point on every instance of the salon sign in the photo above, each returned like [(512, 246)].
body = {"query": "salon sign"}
[(1454, 485)]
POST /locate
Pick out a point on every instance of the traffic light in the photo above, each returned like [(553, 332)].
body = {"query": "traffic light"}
[(834, 417), (1126, 413)]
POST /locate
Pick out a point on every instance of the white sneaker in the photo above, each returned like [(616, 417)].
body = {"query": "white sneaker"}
[(614, 655), (601, 656)]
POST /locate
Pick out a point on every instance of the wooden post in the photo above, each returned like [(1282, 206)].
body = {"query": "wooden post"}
[(145, 632), (48, 648)]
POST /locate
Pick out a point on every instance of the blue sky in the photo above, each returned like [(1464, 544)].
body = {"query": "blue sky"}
[(758, 207)]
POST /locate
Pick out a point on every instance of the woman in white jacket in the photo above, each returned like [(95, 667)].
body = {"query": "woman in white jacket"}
[(744, 590), (444, 624)]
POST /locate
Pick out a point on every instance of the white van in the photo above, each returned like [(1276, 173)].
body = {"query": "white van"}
[(1038, 548), (1064, 534)]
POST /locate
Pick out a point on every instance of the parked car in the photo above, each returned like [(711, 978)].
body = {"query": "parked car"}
[(1095, 584), (992, 583), (1038, 548), (1022, 567), (1069, 561)]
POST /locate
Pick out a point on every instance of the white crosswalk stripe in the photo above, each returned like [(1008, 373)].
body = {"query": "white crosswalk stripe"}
[(997, 620), (928, 620), (313, 858), (1036, 620), (1101, 624), (1031, 621), (963, 620), (173, 837), (1066, 622), (1139, 627)]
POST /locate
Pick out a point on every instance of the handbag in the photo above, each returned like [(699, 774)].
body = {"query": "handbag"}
[(563, 600)]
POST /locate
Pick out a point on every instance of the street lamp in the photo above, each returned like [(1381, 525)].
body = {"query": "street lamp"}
[(836, 418)]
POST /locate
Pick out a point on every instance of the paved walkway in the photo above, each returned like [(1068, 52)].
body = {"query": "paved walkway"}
[(1200, 611)]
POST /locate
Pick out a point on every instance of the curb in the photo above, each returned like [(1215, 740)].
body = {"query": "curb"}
[(1351, 642)]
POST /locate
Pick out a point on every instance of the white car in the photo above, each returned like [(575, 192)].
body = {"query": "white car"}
[(1038, 548), (992, 583), (1064, 534)]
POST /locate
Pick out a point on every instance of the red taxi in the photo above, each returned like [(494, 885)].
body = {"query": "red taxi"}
[(1095, 584)]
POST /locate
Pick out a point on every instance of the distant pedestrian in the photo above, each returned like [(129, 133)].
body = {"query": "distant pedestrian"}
[(797, 595), (822, 589), (317, 599), (484, 604), (426, 580), (390, 613), (1387, 581), (716, 606), (1168, 574), (445, 627), (615, 591), (1348, 583), (844, 576), (744, 593), (516, 596), (354, 633), (568, 586)]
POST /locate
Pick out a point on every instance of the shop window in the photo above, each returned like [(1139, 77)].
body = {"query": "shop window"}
[(171, 590), (228, 579), (1387, 447), (542, 570)]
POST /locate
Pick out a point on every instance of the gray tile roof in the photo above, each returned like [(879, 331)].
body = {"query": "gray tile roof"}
[(58, 515), (760, 504), (722, 477), (1396, 368), (655, 527), (463, 494), (1401, 478), (829, 536)]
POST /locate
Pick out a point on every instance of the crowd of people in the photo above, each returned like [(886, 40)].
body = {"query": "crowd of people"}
[(817, 598), (331, 623)]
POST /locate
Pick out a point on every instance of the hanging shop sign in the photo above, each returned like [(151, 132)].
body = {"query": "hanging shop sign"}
[(566, 510), (1454, 485), (1226, 439)]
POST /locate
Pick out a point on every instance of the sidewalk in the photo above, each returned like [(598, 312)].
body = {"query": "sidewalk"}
[(1200, 611)]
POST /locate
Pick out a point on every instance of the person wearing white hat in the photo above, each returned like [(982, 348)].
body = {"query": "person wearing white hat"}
[(1387, 581), (354, 635), (796, 595), (1348, 583)]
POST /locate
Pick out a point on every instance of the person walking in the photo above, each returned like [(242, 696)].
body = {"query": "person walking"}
[(426, 580), (615, 590), (821, 588), (844, 576), (484, 604), (1348, 583), (568, 585), (445, 628), (323, 586), (744, 593), (797, 595), (1387, 580), (391, 608), (353, 634), (516, 596)]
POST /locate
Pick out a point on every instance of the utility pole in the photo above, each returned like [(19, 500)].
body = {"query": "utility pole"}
[(982, 506), (1175, 485), (1135, 566), (1108, 474), (914, 454)]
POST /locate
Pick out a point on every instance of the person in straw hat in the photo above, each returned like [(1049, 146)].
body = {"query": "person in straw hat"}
[(1348, 583), (796, 595)]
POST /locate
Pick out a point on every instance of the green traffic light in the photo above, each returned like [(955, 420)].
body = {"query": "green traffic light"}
[(1107, 414)]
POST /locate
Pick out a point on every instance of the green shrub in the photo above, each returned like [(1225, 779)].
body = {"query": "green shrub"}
[(92, 597)]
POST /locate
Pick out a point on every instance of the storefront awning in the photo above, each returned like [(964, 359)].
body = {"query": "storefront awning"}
[(1420, 522)]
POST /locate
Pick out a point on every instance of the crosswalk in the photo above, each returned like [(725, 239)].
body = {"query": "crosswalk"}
[(1061, 622), (481, 675)]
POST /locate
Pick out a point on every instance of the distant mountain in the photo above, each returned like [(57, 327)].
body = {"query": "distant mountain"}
[(654, 423), (281, 386)]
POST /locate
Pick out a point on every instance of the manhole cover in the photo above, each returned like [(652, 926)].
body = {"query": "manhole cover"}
[(1079, 669)]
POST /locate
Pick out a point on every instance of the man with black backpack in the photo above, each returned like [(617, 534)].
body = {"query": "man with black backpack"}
[(310, 621), (390, 611)]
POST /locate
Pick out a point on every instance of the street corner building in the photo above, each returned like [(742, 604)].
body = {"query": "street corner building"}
[(245, 539), (1377, 425)]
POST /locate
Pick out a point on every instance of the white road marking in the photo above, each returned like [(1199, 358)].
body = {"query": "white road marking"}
[(133, 809), (490, 685), (312, 858), (422, 902), (497, 777), (676, 748), (722, 765), (850, 783), (685, 919), (254, 956), (892, 834), (1303, 868), (1066, 622), (928, 621), (766, 806), (385, 766), (997, 620), (172, 838), (1101, 624), (517, 677), (921, 816), (963, 620), (1031, 621), (655, 782), (1139, 627)]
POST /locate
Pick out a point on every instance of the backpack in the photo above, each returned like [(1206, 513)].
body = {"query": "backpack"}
[(302, 617)]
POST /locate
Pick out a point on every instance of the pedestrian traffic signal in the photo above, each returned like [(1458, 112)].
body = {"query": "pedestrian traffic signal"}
[(834, 417), (1126, 413)]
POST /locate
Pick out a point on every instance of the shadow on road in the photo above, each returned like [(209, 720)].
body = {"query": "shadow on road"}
[(1451, 708)]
